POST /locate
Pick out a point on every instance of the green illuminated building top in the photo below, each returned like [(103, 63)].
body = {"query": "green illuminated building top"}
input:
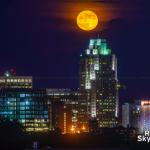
[(98, 47)]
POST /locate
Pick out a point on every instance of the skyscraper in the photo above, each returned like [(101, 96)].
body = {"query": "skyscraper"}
[(98, 84), (64, 109), (30, 107), (131, 114), (126, 115), (145, 115)]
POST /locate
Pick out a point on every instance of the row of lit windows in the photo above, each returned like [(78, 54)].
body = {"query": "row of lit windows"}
[(108, 122), (33, 120), (16, 80), (32, 116), (106, 103), (108, 109), (36, 124), (34, 112), (37, 129), (19, 86)]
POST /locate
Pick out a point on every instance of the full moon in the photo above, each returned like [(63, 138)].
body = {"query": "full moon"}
[(87, 20)]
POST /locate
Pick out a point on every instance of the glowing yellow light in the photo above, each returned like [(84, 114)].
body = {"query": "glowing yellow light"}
[(72, 129), (83, 128), (78, 131), (87, 20)]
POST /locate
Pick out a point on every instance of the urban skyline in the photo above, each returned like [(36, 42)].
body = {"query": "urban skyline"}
[(74, 74), (98, 93), (95, 102)]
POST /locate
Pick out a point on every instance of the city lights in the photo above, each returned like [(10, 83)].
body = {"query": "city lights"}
[(74, 74), (145, 102), (72, 129)]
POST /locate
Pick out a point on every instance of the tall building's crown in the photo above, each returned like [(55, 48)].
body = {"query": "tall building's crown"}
[(98, 47)]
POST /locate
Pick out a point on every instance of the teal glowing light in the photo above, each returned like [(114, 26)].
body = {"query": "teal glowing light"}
[(22, 95), (99, 46), (92, 42), (105, 51), (27, 102), (98, 42)]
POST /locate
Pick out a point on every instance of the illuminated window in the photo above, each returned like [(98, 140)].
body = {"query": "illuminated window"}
[(87, 51), (98, 42), (22, 95), (22, 80), (92, 75), (2, 80), (88, 86), (95, 52), (96, 66), (91, 42), (8, 80), (26, 80)]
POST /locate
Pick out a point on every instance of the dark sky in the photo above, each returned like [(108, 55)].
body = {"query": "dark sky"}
[(41, 38)]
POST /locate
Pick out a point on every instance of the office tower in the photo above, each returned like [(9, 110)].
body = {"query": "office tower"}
[(61, 117), (82, 115), (98, 84), (64, 109), (135, 114), (126, 115), (9, 80), (30, 107), (145, 115)]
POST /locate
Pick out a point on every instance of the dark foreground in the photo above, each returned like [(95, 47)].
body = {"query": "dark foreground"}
[(72, 141)]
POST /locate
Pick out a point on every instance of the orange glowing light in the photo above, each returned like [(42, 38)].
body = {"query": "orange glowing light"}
[(72, 129), (78, 131), (145, 102), (83, 128), (87, 20)]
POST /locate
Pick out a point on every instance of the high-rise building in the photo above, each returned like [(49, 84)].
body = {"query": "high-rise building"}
[(126, 115), (9, 80), (131, 114), (145, 115), (98, 84), (64, 109), (61, 116), (30, 107)]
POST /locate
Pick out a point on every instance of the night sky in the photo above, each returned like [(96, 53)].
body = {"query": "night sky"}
[(41, 38)]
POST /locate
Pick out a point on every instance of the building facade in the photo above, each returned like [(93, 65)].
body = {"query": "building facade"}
[(126, 115), (64, 109), (132, 115), (9, 80), (145, 115), (98, 84), (29, 107)]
